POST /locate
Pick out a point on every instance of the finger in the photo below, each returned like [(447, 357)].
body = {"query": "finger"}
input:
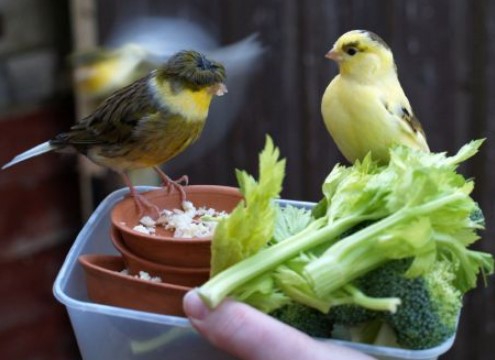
[(249, 334), (242, 331)]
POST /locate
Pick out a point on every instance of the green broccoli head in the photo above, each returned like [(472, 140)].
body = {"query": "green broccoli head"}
[(305, 319), (429, 309), (351, 315), (430, 304)]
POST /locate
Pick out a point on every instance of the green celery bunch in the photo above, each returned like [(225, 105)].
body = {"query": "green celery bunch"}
[(416, 207)]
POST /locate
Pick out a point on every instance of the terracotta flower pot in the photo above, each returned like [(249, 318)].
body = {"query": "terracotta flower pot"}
[(169, 274), (162, 247), (106, 285)]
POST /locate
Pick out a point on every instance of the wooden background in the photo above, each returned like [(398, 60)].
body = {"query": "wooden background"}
[(445, 55), (444, 52)]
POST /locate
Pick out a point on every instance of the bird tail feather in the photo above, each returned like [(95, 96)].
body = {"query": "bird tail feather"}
[(37, 150)]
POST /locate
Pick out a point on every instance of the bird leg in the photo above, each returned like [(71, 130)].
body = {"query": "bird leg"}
[(170, 184), (141, 202)]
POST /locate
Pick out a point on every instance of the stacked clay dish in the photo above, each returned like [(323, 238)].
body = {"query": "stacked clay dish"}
[(155, 270)]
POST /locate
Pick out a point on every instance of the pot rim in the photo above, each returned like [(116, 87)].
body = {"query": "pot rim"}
[(119, 244), (87, 262), (229, 191)]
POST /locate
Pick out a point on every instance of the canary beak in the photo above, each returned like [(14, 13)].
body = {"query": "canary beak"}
[(219, 89), (334, 55)]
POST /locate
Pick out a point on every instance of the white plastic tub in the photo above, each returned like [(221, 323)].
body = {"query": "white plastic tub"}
[(108, 332)]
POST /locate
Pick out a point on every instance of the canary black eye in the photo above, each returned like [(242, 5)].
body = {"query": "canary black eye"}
[(351, 51)]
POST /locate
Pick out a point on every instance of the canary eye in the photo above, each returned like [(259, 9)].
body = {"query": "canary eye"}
[(351, 51)]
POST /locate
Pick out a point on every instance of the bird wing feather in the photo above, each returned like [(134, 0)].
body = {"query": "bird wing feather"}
[(412, 121), (398, 105), (402, 112), (404, 115), (114, 121)]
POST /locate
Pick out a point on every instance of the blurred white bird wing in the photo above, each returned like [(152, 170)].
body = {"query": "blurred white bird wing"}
[(162, 36)]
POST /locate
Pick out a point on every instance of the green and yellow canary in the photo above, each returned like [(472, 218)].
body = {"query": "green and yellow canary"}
[(147, 122), (364, 107)]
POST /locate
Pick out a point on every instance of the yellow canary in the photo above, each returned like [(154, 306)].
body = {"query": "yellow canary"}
[(364, 107), (147, 122)]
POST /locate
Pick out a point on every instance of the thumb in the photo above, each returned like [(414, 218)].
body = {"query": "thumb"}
[(247, 333)]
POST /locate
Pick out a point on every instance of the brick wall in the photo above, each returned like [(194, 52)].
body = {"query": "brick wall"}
[(39, 218)]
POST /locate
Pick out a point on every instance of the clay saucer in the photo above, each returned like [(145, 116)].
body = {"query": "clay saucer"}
[(162, 247), (184, 276), (106, 285)]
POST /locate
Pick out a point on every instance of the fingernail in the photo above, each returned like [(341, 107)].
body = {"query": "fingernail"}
[(194, 307)]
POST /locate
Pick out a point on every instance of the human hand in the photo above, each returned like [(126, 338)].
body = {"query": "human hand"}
[(248, 334)]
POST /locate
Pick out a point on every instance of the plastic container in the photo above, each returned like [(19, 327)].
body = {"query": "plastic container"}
[(108, 332)]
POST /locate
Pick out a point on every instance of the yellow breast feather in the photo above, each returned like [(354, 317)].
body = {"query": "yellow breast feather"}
[(190, 104)]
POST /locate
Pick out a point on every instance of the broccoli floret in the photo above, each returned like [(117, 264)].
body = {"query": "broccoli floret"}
[(351, 315), (430, 304), (305, 319)]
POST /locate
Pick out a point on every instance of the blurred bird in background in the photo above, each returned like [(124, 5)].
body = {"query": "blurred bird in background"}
[(147, 122), (99, 72), (364, 107)]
